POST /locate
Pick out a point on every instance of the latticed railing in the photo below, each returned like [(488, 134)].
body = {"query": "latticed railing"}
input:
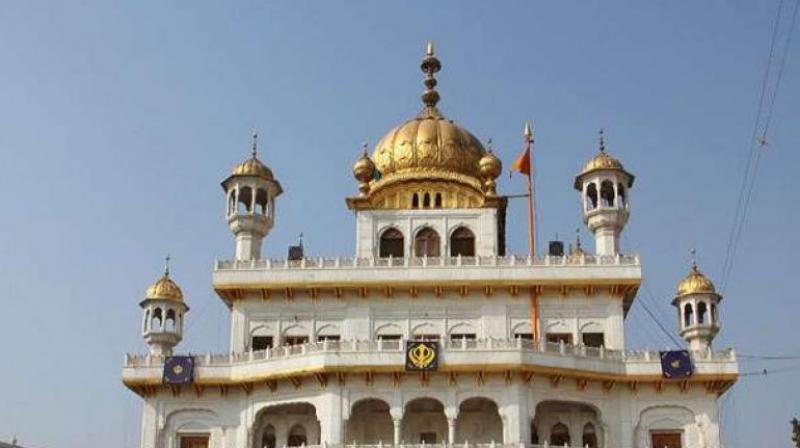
[(466, 444), (447, 346), (390, 262)]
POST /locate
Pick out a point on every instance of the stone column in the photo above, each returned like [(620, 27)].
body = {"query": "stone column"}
[(331, 418), (451, 412), (397, 421)]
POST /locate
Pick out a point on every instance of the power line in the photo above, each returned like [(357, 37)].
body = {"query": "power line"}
[(658, 322), (751, 168), (765, 372)]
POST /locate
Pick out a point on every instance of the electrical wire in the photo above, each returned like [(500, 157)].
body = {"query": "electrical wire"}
[(755, 154)]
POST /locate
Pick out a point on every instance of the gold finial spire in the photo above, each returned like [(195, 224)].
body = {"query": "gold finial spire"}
[(430, 65), (602, 141), (255, 144), (365, 148), (693, 254), (166, 265), (528, 133)]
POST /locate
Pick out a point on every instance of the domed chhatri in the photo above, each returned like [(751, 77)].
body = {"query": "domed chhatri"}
[(603, 161), (253, 166), (695, 283), (429, 148), (165, 288)]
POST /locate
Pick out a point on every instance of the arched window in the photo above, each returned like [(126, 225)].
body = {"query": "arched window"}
[(268, 437), (687, 315), (156, 321), (621, 195), (607, 193), (714, 317), (426, 243), (261, 201), (169, 322), (559, 435), (245, 200), (438, 202), (589, 436), (415, 201), (702, 310), (591, 194), (391, 244), (462, 242), (426, 201), (297, 436)]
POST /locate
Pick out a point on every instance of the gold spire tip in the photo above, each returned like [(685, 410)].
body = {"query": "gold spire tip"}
[(528, 131), (429, 48), (255, 144), (166, 265)]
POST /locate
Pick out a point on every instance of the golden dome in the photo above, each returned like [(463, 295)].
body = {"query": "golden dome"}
[(429, 146), (364, 168), (253, 167), (490, 166), (695, 283), (602, 161), (164, 288)]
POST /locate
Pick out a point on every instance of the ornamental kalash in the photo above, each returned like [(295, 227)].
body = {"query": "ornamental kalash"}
[(431, 334)]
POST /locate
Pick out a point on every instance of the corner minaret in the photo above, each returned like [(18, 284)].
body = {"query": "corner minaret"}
[(251, 190), (163, 310), (697, 302), (604, 186)]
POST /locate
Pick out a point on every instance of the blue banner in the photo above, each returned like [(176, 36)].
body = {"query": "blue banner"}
[(676, 364), (178, 370)]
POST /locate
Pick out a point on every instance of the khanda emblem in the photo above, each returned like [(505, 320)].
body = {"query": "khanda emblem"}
[(422, 355)]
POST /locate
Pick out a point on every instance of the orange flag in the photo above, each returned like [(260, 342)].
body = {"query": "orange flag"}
[(523, 162)]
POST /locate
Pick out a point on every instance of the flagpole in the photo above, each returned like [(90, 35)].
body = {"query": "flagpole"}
[(531, 200), (534, 290)]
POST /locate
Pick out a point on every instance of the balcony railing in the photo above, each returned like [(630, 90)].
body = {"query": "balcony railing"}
[(466, 444), (443, 262), (447, 346)]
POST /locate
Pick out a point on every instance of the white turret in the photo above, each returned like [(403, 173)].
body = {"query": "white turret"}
[(697, 302), (163, 310), (251, 191), (604, 185)]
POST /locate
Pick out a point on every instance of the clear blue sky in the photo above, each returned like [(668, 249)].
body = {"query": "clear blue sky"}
[(118, 121)]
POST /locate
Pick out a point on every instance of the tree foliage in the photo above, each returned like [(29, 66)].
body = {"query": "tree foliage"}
[(796, 432)]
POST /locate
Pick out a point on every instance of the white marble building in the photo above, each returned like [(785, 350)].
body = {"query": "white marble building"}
[(531, 349)]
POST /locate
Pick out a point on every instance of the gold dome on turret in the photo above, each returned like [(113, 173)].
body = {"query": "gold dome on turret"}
[(164, 287), (253, 166), (602, 161), (695, 283)]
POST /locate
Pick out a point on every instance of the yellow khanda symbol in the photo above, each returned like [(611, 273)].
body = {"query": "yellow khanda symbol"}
[(421, 356), (177, 370), (675, 364)]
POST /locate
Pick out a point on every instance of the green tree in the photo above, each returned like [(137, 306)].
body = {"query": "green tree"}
[(796, 432)]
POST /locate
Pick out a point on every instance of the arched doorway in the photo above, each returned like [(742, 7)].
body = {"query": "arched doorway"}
[(424, 421), (292, 424), (479, 422), (268, 437), (370, 423), (573, 423), (297, 436), (462, 242), (427, 243)]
